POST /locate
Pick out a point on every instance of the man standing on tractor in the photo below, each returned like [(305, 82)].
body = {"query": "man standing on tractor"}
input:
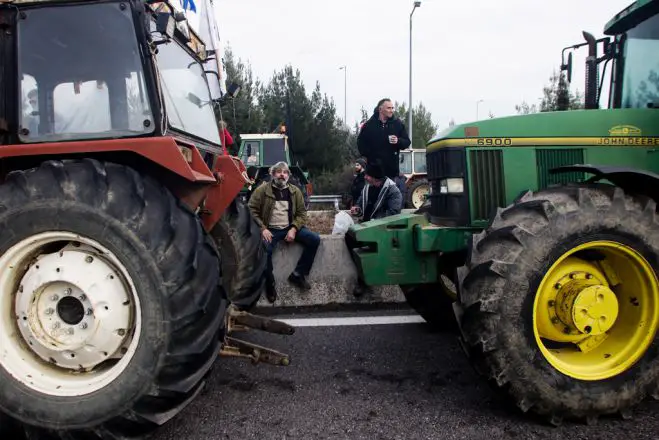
[(278, 208), (381, 138)]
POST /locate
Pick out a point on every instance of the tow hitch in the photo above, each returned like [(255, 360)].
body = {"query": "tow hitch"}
[(240, 321)]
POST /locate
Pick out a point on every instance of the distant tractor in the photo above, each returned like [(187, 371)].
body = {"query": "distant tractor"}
[(260, 151), (547, 225), (413, 167), (121, 247)]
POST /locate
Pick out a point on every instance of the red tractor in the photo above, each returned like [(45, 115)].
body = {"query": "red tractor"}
[(125, 259)]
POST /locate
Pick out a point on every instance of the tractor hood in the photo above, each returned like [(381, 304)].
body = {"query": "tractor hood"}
[(574, 127)]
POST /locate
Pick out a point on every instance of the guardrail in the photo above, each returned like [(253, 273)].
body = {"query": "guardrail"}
[(335, 199)]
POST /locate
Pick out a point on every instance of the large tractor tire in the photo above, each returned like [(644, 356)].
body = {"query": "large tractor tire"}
[(559, 302), (111, 308), (416, 193), (238, 238)]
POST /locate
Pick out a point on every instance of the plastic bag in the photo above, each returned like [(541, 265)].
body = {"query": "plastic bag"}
[(342, 222)]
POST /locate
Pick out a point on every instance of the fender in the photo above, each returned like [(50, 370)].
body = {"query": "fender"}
[(631, 180), (197, 184)]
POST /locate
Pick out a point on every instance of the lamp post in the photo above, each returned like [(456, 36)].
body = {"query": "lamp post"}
[(478, 102), (417, 4), (345, 93)]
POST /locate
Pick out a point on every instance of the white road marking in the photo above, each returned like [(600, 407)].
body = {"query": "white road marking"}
[(354, 320)]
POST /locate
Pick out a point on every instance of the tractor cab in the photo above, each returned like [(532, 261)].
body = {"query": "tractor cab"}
[(261, 151), (413, 167), (109, 71)]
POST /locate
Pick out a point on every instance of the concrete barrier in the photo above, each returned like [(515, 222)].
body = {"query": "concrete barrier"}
[(332, 278)]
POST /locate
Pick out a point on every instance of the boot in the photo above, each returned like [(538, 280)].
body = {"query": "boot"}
[(299, 280)]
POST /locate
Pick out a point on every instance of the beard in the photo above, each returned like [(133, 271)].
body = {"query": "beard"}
[(280, 182)]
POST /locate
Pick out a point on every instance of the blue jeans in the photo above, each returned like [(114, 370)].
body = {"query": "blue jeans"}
[(308, 239)]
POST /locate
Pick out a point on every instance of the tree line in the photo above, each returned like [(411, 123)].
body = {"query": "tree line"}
[(320, 141)]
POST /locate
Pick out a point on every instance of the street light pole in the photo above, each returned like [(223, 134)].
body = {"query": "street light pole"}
[(345, 93), (417, 4), (478, 102)]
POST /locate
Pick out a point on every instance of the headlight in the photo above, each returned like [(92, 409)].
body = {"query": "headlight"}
[(452, 185)]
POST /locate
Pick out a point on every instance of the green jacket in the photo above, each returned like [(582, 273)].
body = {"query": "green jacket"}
[(263, 200)]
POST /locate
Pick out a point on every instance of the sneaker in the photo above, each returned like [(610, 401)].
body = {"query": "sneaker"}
[(299, 280)]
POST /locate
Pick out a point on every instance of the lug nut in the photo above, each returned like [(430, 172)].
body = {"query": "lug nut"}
[(83, 325), (558, 286), (82, 297), (54, 298), (89, 259), (121, 332), (89, 312), (67, 291), (69, 331), (49, 311), (55, 326), (589, 276)]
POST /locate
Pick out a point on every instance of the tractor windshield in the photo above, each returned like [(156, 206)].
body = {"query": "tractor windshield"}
[(420, 162), (405, 162), (640, 87), (80, 74), (187, 96)]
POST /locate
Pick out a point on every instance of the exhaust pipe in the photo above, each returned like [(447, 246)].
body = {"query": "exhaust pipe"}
[(592, 73)]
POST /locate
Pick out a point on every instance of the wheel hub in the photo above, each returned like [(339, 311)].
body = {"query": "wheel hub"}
[(73, 310), (587, 306), (418, 196)]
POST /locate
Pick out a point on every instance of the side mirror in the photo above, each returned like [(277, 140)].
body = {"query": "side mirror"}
[(165, 24), (233, 90)]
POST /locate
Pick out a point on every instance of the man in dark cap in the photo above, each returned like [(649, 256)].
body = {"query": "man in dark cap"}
[(358, 181), (380, 196)]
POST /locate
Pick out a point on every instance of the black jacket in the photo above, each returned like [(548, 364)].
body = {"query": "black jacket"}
[(389, 201), (356, 189), (373, 143)]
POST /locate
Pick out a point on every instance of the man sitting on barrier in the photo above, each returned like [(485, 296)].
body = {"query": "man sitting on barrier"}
[(278, 208), (380, 196)]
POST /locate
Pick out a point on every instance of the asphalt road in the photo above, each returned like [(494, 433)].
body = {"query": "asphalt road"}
[(375, 382)]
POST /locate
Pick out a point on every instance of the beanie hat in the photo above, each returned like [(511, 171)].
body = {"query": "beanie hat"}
[(361, 162), (375, 171)]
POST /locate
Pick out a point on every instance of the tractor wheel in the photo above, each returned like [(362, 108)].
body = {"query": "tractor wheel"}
[(559, 301), (433, 302), (238, 238), (416, 193), (111, 308)]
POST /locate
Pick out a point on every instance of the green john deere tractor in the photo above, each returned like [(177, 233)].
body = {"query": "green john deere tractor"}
[(547, 226)]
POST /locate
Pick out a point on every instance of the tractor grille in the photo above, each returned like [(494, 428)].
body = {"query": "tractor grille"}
[(546, 159), (487, 183)]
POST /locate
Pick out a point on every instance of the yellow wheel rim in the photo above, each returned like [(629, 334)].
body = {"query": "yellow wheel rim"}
[(594, 318)]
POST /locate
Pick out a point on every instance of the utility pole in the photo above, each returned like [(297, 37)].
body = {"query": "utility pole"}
[(345, 93), (478, 102), (417, 4)]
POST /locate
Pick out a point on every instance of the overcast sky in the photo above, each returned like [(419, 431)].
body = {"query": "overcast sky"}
[(502, 52)]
